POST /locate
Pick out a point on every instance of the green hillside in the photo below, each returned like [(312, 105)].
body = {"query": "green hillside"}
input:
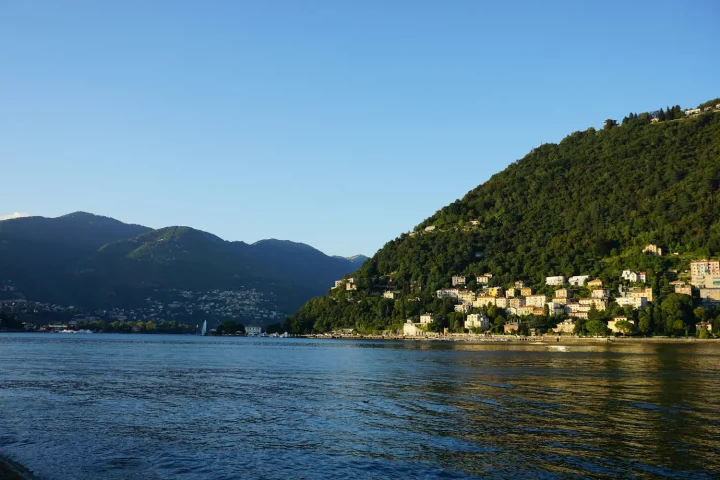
[(97, 262), (584, 206)]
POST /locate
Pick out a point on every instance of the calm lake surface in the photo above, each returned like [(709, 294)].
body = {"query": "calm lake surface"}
[(179, 407)]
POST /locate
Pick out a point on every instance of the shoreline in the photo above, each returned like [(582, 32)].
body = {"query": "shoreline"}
[(553, 340), (10, 470)]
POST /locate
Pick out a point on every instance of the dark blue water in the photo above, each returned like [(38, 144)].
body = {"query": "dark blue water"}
[(175, 407)]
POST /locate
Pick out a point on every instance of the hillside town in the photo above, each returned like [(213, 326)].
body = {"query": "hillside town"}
[(175, 305), (572, 299)]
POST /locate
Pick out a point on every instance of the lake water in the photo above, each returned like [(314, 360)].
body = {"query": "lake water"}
[(178, 407)]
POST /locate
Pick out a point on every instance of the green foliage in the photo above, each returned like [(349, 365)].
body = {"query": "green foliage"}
[(229, 328), (596, 328), (98, 262), (586, 205), (10, 322), (645, 324), (136, 327), (625, 327)]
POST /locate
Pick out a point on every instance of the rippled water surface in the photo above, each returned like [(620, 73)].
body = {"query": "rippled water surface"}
[(153, 406)]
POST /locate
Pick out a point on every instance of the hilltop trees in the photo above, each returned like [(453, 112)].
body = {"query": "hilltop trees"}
[(585, 205)]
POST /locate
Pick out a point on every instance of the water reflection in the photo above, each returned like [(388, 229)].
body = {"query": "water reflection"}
[(179, 407)]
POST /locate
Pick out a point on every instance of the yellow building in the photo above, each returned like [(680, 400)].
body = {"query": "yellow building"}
[(566, 326), (564, 293), (641, 292), (511, 327), (494, 291)]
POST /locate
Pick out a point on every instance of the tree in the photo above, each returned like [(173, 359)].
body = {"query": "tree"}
[(703, 333), (676, 307), (678, 327), (645, 323), (700, 313), (580, 327), (498, 324), (596, 328), (652, 192), (624, 326), (594, 314)]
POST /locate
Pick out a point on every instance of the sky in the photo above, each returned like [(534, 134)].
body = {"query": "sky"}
[(335, 123)]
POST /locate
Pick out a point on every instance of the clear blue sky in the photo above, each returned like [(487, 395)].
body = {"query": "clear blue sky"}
[(335, 123)]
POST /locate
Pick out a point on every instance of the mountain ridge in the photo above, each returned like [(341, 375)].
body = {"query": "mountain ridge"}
[(96, 261)]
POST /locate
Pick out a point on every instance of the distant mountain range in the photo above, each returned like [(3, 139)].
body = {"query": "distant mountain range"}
[(98, 262)]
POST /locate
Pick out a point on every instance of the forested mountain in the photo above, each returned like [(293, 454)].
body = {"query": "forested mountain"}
[(92, 261), (38, 252), (78, 230), (585, 205)]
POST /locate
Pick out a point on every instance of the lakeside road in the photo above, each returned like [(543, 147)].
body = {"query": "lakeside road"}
[(512, 338)]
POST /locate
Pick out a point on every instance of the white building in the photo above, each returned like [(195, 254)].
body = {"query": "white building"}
[(426, 319), (557, 280), (634, 277), (599, 303), (483, 301), (458, 280), (578, 280), (253, 329), (431, 228), (702, 268), (483, 279), (600, 293), (448, 293), (525, 310), (411, 329), (537, 301), (390, 295), (638, 303), (463, 307), (566, 326), (710, 295), (477, 320), (555, 308), (653, 249)]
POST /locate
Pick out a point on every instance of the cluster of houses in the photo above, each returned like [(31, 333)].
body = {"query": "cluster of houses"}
[(230, 304), (348, 283), (691, 112), (519, 300), (705, 277)]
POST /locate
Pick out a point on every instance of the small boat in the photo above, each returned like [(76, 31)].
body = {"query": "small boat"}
[(203, 332), (84, 331)]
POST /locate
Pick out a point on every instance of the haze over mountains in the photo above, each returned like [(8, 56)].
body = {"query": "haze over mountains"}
[(98, 262)]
